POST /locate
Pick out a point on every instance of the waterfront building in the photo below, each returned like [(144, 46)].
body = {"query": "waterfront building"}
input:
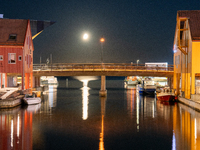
[(16, 51), (187, 54)]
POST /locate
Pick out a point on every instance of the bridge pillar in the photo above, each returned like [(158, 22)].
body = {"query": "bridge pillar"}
[(37, 82), (103, 91), (170, 82)]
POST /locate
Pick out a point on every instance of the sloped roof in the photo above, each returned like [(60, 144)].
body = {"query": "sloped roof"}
[(194, 22), (38, 26), (13, 26)]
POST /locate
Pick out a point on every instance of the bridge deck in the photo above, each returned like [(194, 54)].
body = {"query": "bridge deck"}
[(107, 69)]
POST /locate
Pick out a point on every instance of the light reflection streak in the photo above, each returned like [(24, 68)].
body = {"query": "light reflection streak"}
[(85, 94), (137, 113), (50, 96), (174, 142), (18, 126), (195, 128), (103, 109), (152, 110), (11, 143)]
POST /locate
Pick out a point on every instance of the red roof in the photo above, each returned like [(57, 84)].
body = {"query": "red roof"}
[(13, 27), (194, 22)]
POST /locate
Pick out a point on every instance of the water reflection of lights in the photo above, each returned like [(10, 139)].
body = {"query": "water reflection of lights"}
[(11, 138), (137, 112), (152, 110), (49, 99), (51, 96), (18, 129), (174, 142), (85, 94), (103, 107), (195, 128), (18, 126)]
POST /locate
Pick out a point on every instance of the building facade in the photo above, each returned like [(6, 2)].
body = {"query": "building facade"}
[(187, 54), (16, 52)]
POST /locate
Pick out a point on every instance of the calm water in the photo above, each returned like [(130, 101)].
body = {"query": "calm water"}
[(74, 117)]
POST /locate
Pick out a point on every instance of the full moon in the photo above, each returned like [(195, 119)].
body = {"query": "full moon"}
[(85, 36)]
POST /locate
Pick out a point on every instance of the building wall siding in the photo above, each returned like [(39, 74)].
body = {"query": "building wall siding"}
[(5, 67)]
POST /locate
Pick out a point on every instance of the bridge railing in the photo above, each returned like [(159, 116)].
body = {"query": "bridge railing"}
[(98, 67)]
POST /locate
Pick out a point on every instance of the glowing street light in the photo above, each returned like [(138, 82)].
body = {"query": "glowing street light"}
[(102, 40), (85, 36)]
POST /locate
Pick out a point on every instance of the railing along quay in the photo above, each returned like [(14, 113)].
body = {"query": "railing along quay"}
[(98, 67)]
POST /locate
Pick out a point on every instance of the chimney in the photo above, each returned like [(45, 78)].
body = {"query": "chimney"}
[(1, 15)]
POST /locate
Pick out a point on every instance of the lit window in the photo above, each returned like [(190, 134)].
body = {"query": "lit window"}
[(12, 36), (1, 57), (11, 58), (20, 58)]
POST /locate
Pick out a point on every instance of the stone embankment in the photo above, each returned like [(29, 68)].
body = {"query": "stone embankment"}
[(193, 103), (11, 97)]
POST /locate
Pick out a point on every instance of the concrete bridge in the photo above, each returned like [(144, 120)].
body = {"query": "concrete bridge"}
[(101, 69), (98, 69)]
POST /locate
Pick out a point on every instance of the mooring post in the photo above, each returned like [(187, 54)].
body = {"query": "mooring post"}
[(103, 91)]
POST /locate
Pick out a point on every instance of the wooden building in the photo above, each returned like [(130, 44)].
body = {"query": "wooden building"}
[(187, 54), (16, 50)]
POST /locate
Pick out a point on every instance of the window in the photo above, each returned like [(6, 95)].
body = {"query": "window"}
[(12, 36), (11, 58), (1, 57), (20, 58)]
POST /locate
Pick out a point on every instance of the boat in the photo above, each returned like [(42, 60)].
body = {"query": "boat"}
[(31, 99), (131, 81), (169, 97), (147, 87), (33, 108)]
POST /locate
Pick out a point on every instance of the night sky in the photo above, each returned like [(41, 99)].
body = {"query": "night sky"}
[(133, 29)]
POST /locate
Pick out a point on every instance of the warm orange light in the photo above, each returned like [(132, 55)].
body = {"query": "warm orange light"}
[(102, 40)]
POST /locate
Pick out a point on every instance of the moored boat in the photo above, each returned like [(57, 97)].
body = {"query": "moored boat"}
[(166, 96), (147, 87), (31, 99), (131, 81)]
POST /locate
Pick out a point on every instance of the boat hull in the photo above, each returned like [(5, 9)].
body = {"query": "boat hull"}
[(147, 91), (166, 97), (32, 101)]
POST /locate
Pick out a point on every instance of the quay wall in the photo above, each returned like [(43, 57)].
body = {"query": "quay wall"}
[(9, 103), (192, 103)]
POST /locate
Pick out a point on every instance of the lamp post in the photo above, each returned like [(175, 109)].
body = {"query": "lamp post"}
[(137, 61), (103, 91), (102, 40)]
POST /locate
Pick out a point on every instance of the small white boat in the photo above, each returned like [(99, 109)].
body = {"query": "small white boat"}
[(33, 108), (147, 87), (31, 99), (131, 81)]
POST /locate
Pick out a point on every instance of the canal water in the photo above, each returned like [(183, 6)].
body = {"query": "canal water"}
[(72, 116)]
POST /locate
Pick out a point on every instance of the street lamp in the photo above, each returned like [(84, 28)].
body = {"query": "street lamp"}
[(85, 36), (137, 61), (102, 40)]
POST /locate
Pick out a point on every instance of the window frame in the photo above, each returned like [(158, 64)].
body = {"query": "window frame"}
[(13, 35), (20, 58), (9, 58), (1, 56)]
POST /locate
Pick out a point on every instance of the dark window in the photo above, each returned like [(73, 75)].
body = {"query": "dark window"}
[(20, 58), (1, 57), (12, 36), (11, 58)]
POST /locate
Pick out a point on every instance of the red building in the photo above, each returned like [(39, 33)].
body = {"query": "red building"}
[(16, 51)]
